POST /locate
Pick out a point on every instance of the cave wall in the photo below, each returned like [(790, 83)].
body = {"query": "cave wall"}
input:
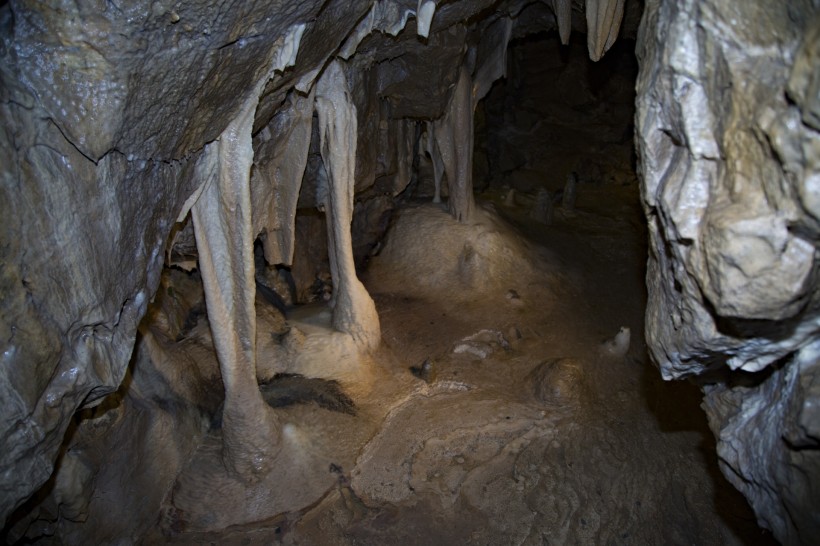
[(727, 133)]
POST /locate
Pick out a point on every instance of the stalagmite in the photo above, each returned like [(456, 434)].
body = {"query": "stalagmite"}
[(454, 138), (603, 23), (353, 310), (570, 192), (543, 210), (563, 16), (509, 200)]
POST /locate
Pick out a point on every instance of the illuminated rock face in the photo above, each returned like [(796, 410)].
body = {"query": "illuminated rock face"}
[(117, 122), (730, 153)]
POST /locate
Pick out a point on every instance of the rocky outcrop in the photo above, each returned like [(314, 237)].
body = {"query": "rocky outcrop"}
[(729, 147)]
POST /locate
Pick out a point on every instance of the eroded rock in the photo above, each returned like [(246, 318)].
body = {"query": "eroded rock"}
[(727, 161)]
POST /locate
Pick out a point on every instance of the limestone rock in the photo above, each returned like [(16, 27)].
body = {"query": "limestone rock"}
[(729, 151)]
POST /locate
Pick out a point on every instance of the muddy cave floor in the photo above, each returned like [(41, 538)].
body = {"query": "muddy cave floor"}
[(491, 446)]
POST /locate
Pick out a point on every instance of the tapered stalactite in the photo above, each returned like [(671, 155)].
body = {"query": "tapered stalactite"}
[(405, 138), (603, 23), (224, 237), (563, 16), (279, 165), (435, 157), (424, 17), (491, 58), (454, 139), (353, 310)]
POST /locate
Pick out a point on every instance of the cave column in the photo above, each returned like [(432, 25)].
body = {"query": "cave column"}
[(454, 137), (353, 310), (224, 238)]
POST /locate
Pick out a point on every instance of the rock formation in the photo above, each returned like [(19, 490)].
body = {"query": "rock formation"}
[(729, 153), (353, 310)]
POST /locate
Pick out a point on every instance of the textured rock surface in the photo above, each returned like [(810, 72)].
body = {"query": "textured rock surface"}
[(730, 154)]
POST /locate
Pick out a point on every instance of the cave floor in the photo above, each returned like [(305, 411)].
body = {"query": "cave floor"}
[(498, 441)]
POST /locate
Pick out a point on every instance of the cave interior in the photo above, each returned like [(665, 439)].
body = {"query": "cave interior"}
[(399, 272)]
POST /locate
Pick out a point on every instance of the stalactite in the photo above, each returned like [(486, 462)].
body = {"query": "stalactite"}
[(405, 133), (386, 16), (603, 23), (491, 57), (424, 17), (354, 311), (454, 139), (563, 16), (279, 166), (435, 157)]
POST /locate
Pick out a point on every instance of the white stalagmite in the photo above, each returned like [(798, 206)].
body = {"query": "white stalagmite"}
[(603, 23), (354, 311), (224, 238), (563, 16), (454, 139)]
